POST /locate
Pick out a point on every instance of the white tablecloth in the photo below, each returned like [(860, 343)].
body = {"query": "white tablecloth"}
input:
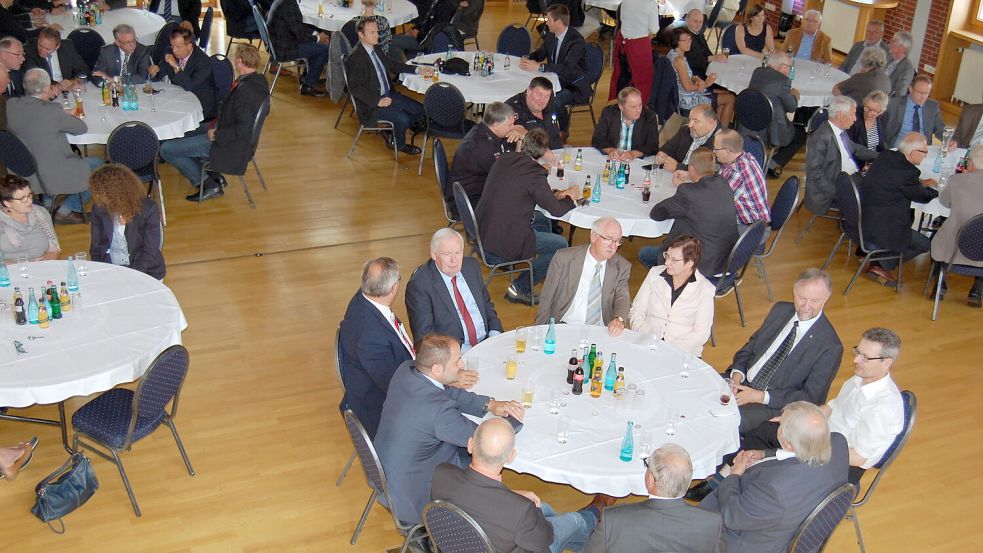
[(178, 111), (815, 89), (122, 321), (589, 461), (666, 8), (625, 205), (497, 87), (145, 24), (934, 207), (397, 12)]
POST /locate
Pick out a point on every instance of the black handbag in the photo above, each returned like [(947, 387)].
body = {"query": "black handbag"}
[(65, 490)]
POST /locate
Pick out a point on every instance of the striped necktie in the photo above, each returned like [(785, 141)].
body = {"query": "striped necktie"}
[(594, 298), (761, 380)]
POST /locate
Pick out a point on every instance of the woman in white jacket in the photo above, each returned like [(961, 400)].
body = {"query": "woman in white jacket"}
[(675, 302)]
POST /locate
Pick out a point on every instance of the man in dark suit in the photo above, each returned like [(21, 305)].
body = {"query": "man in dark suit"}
[(699, 131), (873, 36), (703, 206), (534, 108), (773, 82), (14, 26), (448, 295), (12, 57), (124, 55), (588, 284), (564, 52), (292, 39), (188, 67), (368, 69), (914, 112), (57, 57), (699, 55), (180, 10), (664, 522), (968, 130), (423, 423), (481, 147), (628, 130), (515, 521), (763, 504)]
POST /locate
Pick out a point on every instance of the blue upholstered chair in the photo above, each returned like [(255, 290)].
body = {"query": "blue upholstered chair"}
[(514, 40), (452, 530), (781, 209), (445, 108), (969, 243), (816, 529), (442, 168), (223, 76), (88, 43), (206, 28), (135, 145)]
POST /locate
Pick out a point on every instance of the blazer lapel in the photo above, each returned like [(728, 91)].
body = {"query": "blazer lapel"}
[(607, 287), (440, 290), (476, 285)]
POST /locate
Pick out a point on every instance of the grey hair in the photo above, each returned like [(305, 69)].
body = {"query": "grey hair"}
[(35, 81), (379, 276), (876, 22), (873, 57), (911, 142), (672, 470), (889, 341), (879, 97), (497, 112), (7, 42), (816, 13), (813, 274), (805, 430), (778, 59), (444, 234), (123, 29), (536, 143), (486, 453), (841, 105), (904, 39), (976, 156), (732, 140), (627, 91), (599, 224)]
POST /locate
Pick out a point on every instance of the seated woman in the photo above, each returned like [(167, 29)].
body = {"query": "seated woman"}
[(14, 459), (871, 76), (868, 129), (675, 302), (693, 90), (125, 222), (25, 228), (754, 37)]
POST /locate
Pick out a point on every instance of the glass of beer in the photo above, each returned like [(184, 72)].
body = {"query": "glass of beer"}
[(511, 367), (528, 393), (521, 337)]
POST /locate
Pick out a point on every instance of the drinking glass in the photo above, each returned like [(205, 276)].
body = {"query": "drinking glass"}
[(566, 153), (562, 429), (528, 393), (638, 405), (511, 366), (80, 264), (827, 67), (725, 395), (725, 52), (536, 338), (673, 422), (521, 337), (472, 364), (687, 363), (83, 80), (24, 264), (644, 444)]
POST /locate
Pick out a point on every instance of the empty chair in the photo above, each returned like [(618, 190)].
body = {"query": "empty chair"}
[(729, 39), (88, 43), (380, 124), (753, 112), (443, 171), (223, 75), (754, 146), (445, 108), (237, 15), (537, 11), (344, 405), (969, 244), (781, 209), (206, 28), (135, 145), (595, 66), (514, 40), (239, 170), (264, 34), (737, 262), (452, 530), (816, 529)]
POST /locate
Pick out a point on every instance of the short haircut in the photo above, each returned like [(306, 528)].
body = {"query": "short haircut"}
[(35, 81), (778, 59), (50, 32), (705, 111), (485, 452), (921, 78), (379, 282), (7, 43), (755, 10), (10, 185), (889, 341), (806, 430), (123, 29), (878, 97), (904, 39), (536, 142), (690, 245), (876, 23), (702, 161), (370, 3), (732, 140), (559, 12), (360, 26), (873, 57), (248, 54), (444, 234), (911, 142), (185, 34), (541, 82), (677, 33), (976, 156), (627, 91), (813, 274), (672, 470), (598, 225), (434, 349), (841, 105), (814, 13), (498, 112)]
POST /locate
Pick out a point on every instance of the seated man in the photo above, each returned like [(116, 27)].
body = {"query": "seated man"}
[(512, 520), (664, 522), (808, 42), (588, 284), (699, 131), (517, 184), (772, 81), (226, 145), (891, 184), (423, 423), (12, 57), (292, 39), (763, 504), (899, 68), (448, 295), (964, 196), (18, 26), (873, 38), (368, 71), (703, 206), (564, 52), (57, 57), (534, 108), (188, 67), (745, 178), (124, 56), (477, 152), (915, 112), (177, 11), (699, 54), (969, 130), (869, 78), (628, 130)]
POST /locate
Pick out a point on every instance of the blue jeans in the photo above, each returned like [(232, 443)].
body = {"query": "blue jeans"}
[(547, 244), (919, 244), (402, 113), (317, 56), (650, 256), (570, 530), (187, 155)]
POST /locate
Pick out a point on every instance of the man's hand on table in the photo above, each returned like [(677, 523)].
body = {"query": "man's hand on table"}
[(466, 380), (680, 177), (529, 65), (930, 183), (667, 163), (507, 408), (746, 395), (573, 193), (385, 102), (616, 327)]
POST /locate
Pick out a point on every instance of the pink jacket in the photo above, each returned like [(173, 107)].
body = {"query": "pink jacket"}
[(686, 323)]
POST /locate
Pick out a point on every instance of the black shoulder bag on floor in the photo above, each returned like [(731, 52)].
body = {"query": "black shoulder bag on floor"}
[(65, 490)]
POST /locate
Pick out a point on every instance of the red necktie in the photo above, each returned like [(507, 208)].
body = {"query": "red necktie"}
[(403, 337), (468, 323)]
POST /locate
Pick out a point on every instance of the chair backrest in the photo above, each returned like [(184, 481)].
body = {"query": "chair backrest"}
[(729, 39), (88, 43), (264, 110), (349, 29), (440, 43), (466, 212), (133, 144), (754, 146), (816, 529), (753, 111), (595, 64), (784, 204), (848, 202), (222, 75), (910, 403), (514, 40), (375, 475), (442, 168), (445, 107), (665, 94), (264, 33), (15, 155), (740, 256), (206, 28), (970, 240), (159, 386), (162, 44), (454, 531), (714, 14), (818, 117)]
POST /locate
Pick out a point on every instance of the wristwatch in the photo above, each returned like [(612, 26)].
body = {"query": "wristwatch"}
[(488, 404), (620, 318)]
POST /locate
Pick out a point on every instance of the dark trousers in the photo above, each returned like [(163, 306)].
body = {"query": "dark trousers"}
[(317, 56), (785, 154), (402, 113), (562, 100), (547, 244), (919, 244)]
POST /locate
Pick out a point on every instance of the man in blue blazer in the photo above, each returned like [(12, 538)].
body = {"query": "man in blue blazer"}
[(423, 423), (447, 294), (373, 342)]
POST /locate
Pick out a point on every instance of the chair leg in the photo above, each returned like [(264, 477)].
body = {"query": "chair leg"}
[(593, 119), (126, 481), (341, 112), (832, 253), (180, 445), (938, 291), (409, 536), (355, 142), (856, 526), (740, 306), (260, 175), (857, 274), (928, 279), (246, 190), (532, 283), (805, 229), (423, 153), (160, 195), (764, 276), (344, 471), (897, 289), (279, 68), (713, 339), (365, 516), (228, 47)]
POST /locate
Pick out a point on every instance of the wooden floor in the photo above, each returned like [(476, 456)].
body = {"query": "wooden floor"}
[(264, 290)]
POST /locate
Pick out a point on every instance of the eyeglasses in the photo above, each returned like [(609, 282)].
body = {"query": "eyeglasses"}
[(608, 240), (874, 111), (665, 255), (719, 149), (25, 198), (17, 54), (645, 462), (863, 356)]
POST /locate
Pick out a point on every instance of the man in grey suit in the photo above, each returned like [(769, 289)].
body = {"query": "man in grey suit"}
[(873, 36), (914, 113), (899, 68), (773, 82), (423, 423), (447, 294), (124, 47), (588, 284), (764, 501), (665, 522)]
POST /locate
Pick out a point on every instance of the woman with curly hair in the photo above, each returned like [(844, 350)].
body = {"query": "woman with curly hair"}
[(25, 227), (125, 223)]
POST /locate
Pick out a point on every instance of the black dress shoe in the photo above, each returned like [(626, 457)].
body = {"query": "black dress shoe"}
[(410, 149), (387, 139), (697, 493), (306, 90), (209, 193), (514, 297), (775, 172)]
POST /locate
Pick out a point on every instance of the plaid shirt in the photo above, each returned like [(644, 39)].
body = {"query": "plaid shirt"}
[(750, 192), (624, 141)]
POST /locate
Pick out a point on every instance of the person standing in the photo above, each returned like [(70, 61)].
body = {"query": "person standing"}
[(633, 47)]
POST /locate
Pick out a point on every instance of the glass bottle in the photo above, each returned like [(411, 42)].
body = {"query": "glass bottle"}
[(572, 366), (590, 360), (612, 374), (508, 62), (54, 300), (549, 344), (65, 299), (73, 276), (597, 384), (32, 307), (606, 172), (619, 384), (595, 196), (20, 317), (619, 181), (628, 444), (43, 320), (4, 273), (587, 188), (578, 381), (578, 163), (937, 164)]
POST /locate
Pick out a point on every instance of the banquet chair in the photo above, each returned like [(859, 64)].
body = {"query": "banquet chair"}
[(474, 37), (118, 418), (19, 160), (728, 39), (240, 170), (710, 24), (595, 66), (514, 40), (350, 32), (815, 530), (470, 224), (375, 477), (206, 29), (969, 243), (910, 411), (135, 145), (88, 43), (162, 44), (381, 125), (537, 11), (452, 530), (445, 115), (818, 117), (234, 29), (754, 146), (851, 228), (737, 262), (443, 171), (440, 43), (264, 35), (344, 405), (223, 75), (753, 112), (781, 209), (345, 46)]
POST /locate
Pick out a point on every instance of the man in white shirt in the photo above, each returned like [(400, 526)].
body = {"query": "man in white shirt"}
[(588, 284), (639, 20)]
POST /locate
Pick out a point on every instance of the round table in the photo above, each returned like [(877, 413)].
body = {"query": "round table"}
[(497, 87), (397, 13), (145, 24), (666, 8), (177, 112), (589, 461), (934, 207), (815, 89), (624, 205)]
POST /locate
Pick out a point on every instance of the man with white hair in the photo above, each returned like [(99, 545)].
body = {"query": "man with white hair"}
[(899, 68), (773, 81), (447, 294), (12, 57), (891, 184), (873, 37), (808, 42), (496, 134), (664, 522), (964, 196), (869, 78)]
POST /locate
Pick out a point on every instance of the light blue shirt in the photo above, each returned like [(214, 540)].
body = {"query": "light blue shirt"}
[(909, 115), (805, 47), (472, 305)]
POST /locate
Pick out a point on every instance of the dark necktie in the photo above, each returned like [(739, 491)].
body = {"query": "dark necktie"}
[(846, 144), (760, 381), (465, 314), (123, 63), (383, 76), (916, 121), (167, 9), (402, 335)]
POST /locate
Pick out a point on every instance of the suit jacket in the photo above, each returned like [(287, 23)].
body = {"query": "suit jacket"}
[(230, 152), (858, 132), (287, 30), (932, 124), (822, 45), (644, 135), (432, 309), (70, 62), (370, 353), (856, 50), (142, 238), (196, 78), (525, 118), (704, 209), (964, 196), (16, 81), (807, 371), (570, 65), (778, 88), (10, 26), (679, 144), (516, 184), (699, 54), (658, 525), (562, 280), (138, 64), (3, 115), (363, 81), (512, 523), (969, 120), (473, 160), (860, 85), (422, 427), (823, 164), (190, 11), (901, 77), (465, 20), (43, 127), (764, 507), (889, 187)]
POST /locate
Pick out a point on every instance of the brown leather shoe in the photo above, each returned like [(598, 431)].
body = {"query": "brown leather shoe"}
[(881, 275), (73, 218)]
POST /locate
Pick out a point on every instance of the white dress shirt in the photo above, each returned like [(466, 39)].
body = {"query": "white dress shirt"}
[(803, 329), (639, 18), (56, 75), (869, 416), (577, 313), (387, 312), (846, 158)]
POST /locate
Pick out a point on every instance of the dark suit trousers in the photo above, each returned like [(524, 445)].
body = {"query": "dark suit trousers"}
[(919, 244), (766, 437), (800, 121), (402, 113), (562, 101)]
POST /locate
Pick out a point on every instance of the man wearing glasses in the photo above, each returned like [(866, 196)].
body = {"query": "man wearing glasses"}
[(12, 58), (588, 284)]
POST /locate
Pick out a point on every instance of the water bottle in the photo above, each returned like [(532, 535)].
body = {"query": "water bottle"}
[(549, 344), (448, 58), (73, 276), (611, 375), (620, 180), (937, 165), (628, 444), (32, 307), (4, 273), (595, 195)]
